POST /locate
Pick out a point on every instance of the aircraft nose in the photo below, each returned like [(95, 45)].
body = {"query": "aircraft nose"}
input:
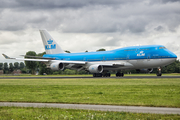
[(172, 55)]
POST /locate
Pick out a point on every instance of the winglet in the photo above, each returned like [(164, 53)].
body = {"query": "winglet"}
[(7, 56)]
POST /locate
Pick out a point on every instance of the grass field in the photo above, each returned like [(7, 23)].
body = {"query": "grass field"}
[(140, 92), (16, 113), (137, 92)]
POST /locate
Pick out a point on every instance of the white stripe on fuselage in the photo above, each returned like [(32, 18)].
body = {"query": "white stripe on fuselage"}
[(151, 63), (137, 64)]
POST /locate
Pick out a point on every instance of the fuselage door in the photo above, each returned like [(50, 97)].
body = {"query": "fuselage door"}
[(148, 57), (127, 57), (104, 58)]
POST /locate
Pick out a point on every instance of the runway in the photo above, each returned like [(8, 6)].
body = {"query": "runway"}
[(134, 109), (89, 77)]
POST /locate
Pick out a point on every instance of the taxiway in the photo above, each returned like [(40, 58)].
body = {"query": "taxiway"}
[(134, 109)]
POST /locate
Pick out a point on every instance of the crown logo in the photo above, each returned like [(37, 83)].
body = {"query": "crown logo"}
[(50, 41)]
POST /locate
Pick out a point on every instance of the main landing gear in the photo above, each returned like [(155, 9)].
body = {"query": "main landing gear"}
[(159, 73), (101, 74), (107, 74), (119, 74)]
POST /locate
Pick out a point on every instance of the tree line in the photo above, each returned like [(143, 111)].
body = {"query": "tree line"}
[(9, 68)]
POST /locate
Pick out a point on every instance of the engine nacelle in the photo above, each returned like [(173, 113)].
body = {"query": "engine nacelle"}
[(149, 70), (57, 66), (95, 68)]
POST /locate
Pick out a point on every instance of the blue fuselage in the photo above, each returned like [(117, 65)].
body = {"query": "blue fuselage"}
[(126, 53)]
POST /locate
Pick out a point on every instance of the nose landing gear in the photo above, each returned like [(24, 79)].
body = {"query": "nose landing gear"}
[(159, 73)]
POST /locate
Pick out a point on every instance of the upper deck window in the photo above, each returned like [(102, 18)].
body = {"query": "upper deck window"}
[(144, 49), (130, 50), (162, 47)]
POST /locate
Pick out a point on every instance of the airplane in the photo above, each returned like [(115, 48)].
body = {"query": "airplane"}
[(140, 58)]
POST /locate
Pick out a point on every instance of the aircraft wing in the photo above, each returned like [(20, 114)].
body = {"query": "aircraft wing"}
[(26, 59), (74, 64), (45, 60)]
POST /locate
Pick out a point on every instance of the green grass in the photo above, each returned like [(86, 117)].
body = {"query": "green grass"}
[(17, 113), (137, 92)]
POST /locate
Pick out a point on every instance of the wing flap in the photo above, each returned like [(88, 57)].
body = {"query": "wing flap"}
[(115, 64)]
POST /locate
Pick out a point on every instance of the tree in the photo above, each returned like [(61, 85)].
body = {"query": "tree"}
[(102, 49), (5, 68), (21, 66), (172, 68), (32, 65), (16, 65), (1, 66), (11, 67), (67, 51), (42, 66)]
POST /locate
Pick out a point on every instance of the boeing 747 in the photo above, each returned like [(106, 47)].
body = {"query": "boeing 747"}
[(100, 63)]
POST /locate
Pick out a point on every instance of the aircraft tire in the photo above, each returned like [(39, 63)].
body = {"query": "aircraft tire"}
[(159, 74), (109, 74), (122, 74), (106, 75), (118, 74)]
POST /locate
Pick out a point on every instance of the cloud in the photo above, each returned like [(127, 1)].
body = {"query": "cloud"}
[(95, 23), (89, 16)]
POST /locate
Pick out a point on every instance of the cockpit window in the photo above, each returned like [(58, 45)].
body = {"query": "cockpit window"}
[(162, 47)]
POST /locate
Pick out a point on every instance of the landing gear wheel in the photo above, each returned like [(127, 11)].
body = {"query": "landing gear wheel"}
[(109, 74), (159, 73), (106, 75), (118, 74), (122, 74)]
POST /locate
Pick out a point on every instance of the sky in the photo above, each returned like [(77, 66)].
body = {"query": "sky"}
[(80, 25)]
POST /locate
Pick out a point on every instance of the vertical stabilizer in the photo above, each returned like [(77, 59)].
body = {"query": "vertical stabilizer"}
[(50, 44)]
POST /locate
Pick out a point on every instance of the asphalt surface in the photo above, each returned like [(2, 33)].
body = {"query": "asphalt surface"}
[(134, 109), (75, 77)]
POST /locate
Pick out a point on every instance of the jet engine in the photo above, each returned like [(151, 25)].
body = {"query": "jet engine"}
[(149, 70), (57, 66), (95, 68)]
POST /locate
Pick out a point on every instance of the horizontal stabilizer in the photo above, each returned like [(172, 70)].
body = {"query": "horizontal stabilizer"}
[(7, 57)]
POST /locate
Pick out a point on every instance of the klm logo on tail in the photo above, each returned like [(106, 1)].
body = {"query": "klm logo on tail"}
[(50, 46)]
